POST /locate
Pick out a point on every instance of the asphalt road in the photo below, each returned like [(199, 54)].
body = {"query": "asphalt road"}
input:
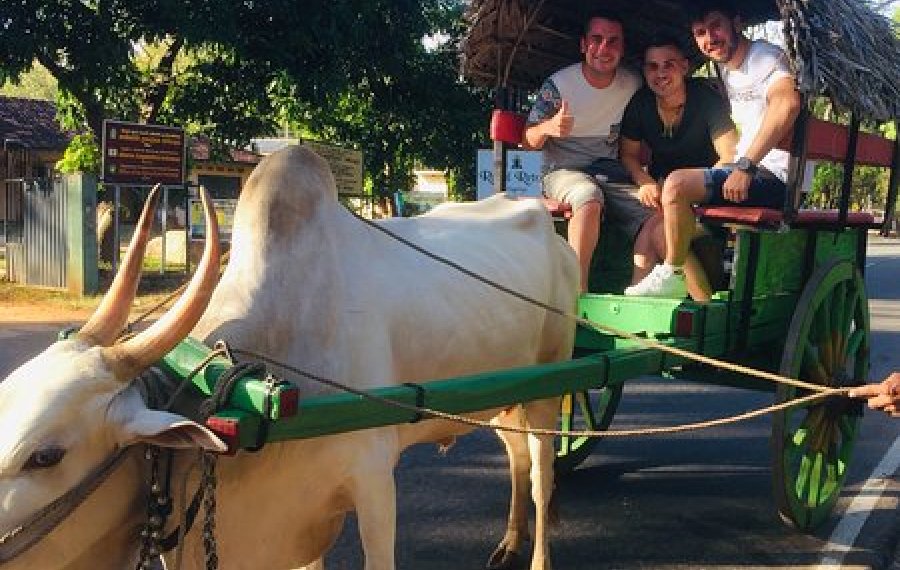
[(694, 501)]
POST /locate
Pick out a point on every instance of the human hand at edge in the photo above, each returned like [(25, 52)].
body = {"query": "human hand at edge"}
[(884, 396), (562, 123), (649, 195), (735, 188)]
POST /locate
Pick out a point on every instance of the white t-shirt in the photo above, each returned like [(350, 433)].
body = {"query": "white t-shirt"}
[(597, 113), (747, 86)]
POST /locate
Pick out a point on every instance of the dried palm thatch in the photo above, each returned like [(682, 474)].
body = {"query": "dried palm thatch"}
[(842, 49)]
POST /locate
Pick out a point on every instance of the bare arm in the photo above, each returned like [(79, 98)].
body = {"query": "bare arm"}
[(884, 396), (630, 156), (783, 106), (559, 125), (535, 136), (726, 146)]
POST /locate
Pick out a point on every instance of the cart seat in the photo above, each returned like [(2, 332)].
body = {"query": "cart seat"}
[(769, 218)]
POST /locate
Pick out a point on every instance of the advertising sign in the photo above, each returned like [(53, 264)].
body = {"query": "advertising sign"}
[(224, 215), (142, 155), (346, 165), (523, 173)]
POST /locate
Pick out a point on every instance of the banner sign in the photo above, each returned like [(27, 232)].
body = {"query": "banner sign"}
[(142, 155), (224, 215), (523, 173), (346, 165)]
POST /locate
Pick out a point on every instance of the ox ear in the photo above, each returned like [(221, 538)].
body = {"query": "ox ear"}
[(136, 423), (169, 430)]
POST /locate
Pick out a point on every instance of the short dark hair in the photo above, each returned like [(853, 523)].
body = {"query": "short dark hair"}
[(665, 39), (698, 11), (603, 15)]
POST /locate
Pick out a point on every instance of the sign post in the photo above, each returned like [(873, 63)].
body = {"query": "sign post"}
[(523, 174), (142, 155)]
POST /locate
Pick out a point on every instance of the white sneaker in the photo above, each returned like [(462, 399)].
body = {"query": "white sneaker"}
[(661, 282)]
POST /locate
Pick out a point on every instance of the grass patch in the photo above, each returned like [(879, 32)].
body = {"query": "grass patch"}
[(152, 290), (15, 294)]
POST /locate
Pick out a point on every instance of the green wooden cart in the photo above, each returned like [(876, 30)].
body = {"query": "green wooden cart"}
[(789, 293)]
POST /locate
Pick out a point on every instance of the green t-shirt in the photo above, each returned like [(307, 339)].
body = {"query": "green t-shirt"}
[(705, 117)]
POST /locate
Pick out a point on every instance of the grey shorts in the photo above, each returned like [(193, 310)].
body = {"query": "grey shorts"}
[(619, 200)]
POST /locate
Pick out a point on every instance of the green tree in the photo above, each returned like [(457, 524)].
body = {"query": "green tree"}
[(411, 111), (212, 66), (37, 83), (350, 71)]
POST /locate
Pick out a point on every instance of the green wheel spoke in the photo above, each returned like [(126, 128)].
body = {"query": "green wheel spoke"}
[(802, 478), (855, 343), (847, 427), (838, 304), (815, 481), (799, 438), (828, 338), (850, 312)]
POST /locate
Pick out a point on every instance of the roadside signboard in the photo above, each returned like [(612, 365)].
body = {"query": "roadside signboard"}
[(523, 173), (142, 155), (346, 165), (224, 215)]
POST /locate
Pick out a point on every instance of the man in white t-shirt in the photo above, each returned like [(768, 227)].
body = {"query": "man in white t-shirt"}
[(575, 121), (764, 103)]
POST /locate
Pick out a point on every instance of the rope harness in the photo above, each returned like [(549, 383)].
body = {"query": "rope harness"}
[(819, 392), (159, 500)]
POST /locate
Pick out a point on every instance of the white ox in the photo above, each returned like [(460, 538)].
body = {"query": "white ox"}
[(312, 286)]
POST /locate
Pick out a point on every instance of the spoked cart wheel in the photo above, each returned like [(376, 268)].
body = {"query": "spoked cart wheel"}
[(827, 344), (587, 410)]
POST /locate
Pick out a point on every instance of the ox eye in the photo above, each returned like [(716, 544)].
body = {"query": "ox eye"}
[(44, 458)]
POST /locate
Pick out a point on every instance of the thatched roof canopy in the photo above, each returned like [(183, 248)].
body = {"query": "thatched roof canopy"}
[(839, 48)]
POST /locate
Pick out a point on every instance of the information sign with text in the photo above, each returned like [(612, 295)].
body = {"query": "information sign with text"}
[(346, 165), (135, 154)]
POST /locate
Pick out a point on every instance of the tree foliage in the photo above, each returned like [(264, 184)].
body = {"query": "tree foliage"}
[(352, 71), (414, 111), (37, 83)]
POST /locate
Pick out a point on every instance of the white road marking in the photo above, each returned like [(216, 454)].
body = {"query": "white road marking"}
[(844, 536)]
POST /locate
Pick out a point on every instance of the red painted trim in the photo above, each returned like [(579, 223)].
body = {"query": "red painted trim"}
[(828, 141)]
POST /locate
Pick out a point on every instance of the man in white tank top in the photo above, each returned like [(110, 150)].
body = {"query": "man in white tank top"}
[(764, 103), (575, 121)]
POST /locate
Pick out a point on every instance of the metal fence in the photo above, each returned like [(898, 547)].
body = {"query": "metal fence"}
[(37, 247)]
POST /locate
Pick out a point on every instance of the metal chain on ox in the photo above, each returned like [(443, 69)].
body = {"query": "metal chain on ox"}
[(159, 500), (158, 508), (209, 506)]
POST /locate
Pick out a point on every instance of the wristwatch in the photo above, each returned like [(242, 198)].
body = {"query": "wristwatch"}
[(746, 165)]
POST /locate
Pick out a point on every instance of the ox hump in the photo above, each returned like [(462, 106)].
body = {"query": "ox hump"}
[(286, 190)]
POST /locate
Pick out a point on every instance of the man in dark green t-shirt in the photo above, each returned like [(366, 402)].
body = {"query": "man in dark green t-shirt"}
[(684, 123)]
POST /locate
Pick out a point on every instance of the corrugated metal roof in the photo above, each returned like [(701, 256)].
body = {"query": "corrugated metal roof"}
[(31, 122)]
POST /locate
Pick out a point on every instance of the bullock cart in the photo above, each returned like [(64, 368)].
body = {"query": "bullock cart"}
[(789, 297)]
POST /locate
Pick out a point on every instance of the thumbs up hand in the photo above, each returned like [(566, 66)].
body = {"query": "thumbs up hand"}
[(561, 124)]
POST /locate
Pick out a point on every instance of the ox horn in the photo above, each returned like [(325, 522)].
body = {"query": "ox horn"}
[(109, 319), (134, 355)]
